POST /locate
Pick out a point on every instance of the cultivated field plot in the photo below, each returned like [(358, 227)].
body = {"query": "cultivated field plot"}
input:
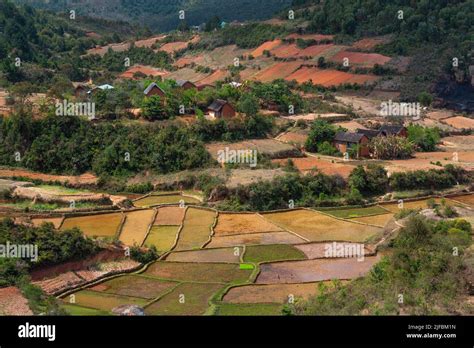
[(196, 229), (355, 212), (255, 239), (272, 293), (232, 223), (276, 71), (328, 77), (153, 200), (222, 255), (296, 137), (249, 309), (135, 286), (198, 272), (55, 221), (162, 237), (100, 225), (213, 78), (420, 204), (186, 299), (271, 253), (308, 164), (136, 227), (466, 199), (170, 216), (75, 310), (318, 250), (316, 227), (360, 59), (142, 69), (266, 46), (460, 122), (459, 143), (377, 220), (350, 125), (315, 270), (12, 302), (102, 301)]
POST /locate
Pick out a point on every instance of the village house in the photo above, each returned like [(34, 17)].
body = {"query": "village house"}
[(399, 131), (221, 109), (154, 89), (185, 84), (345, 141)]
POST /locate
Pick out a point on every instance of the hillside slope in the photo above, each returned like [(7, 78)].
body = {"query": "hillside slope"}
[(163, 14)]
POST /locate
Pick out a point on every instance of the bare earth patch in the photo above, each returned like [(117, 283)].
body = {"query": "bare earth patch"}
[(12, 302)]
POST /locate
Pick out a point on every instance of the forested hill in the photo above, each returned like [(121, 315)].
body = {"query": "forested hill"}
[(163, 14), (432, 32)]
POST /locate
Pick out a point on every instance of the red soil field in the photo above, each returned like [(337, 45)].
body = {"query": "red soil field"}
[(358, 58), (172, 47), (307, 164), (119, 47), (147, 70), (84, 179), (12, 302), (314, 270), (211, 79), (149, 42), (313, 51), (266, 46), (286, 51), (460, 122), (184, 61), (327, 77), (277, 71), (368, 43)]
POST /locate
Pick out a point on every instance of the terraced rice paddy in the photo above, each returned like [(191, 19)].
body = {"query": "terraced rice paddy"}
[(222, 255), (170, 216), (255, 238), (355, 212), (55, 221), (102, 301), (420, 204), (466, 199), (196, 229), (136, 226), (135, 286), (230, 224), (377, 220), (272, 293), (269, 253), (153, 200), (319, 250), (162, 237), (185, 299), (315, 226), (198, 272), (314, 270), (100, 225)]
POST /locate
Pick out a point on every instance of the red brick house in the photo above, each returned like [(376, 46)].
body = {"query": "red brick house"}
[(345, 141), (154, 89), (184, 84), (221, 109)]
